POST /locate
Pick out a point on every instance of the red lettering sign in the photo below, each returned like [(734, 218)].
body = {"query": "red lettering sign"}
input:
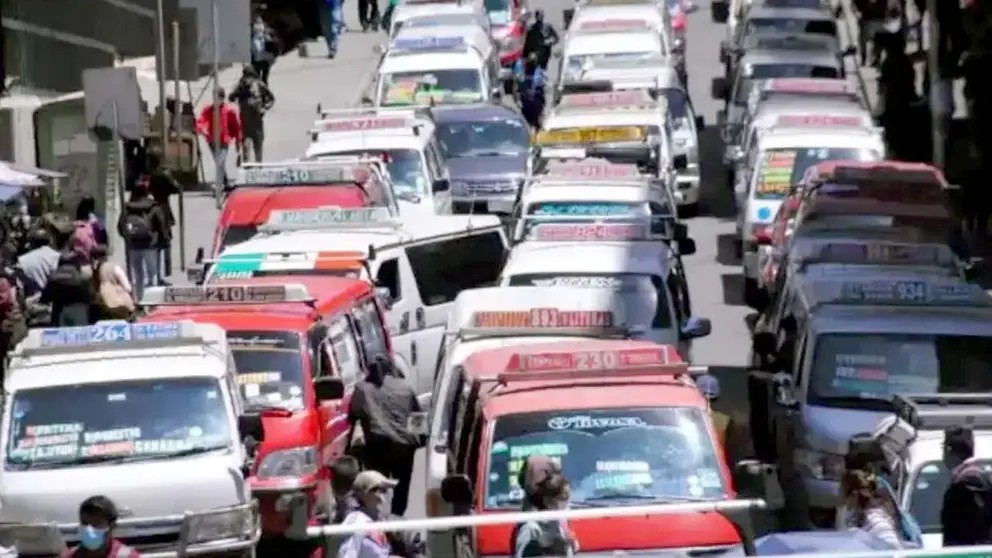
[(361, 124), (816, 120), (616, 359), (590, 232), (543, 318)]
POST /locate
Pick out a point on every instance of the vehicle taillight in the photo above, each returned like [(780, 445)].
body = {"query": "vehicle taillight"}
[(433, 503)]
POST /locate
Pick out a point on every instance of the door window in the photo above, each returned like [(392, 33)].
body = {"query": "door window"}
[(388, 276), (372, 331), (434, 168), (345, 348), (444, 268)]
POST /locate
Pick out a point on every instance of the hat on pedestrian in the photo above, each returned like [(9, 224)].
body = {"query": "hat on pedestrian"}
[(369, 481), (960, 440)]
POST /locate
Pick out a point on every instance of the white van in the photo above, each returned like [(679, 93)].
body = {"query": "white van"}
[(419, 267), (148, 415)]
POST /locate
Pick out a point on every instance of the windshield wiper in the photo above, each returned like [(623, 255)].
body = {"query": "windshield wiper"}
[(196, 450)]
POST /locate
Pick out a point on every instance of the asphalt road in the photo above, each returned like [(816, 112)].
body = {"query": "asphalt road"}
[(714, 276)]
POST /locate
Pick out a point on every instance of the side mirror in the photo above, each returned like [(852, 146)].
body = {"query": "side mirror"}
[(764, 343), (754, 479), (367, 101), (694, 328), (441, 185), (250, 426), (680, 162), (457, 490), (505, 74), (385, 297), (720, 12), (700, 123), (328, 388), (687, 247), (718, 89), (680, 232), (199, 255)]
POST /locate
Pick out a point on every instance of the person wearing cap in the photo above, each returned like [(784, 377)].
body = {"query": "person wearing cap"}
[(97, 519), (966, 513), (372, 491), (38, 264), (545, 489)]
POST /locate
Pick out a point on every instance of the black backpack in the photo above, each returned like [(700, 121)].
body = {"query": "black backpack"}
[(138, 227)]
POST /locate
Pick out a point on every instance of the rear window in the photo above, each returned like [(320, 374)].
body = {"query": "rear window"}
[(640, 295), (445, 268), (781, 168), (270, 368)]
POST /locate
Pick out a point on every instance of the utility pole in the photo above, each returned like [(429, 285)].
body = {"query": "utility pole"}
[(160, 73), (219, 162)]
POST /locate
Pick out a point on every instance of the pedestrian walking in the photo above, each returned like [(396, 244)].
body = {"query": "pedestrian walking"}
[(70, 291), (387, 17), (114, 294), (230, 133), (97, 521), (530, 90), (331, 22), (142, 226), (545, 488), (371, 490), (381, 405), (36, 266), (263, 48), (254, 99), (86, 213), (966, 513), (162, 187), (867, 509), (368, 15), (541, 37), (870, 14)]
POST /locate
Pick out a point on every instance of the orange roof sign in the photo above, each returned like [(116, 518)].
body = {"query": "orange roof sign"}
[(590, 232), (611, 359), (543, 318)]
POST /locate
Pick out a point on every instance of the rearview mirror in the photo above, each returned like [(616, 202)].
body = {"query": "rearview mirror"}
[(680, 162), (687, 247), (328, 388), (457, 489), (720, 11), (250, 426), (694, 328), (718, 88)]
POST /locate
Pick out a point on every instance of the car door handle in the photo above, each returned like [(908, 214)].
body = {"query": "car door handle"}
[(405, 322), (413, 353), (419, 315)]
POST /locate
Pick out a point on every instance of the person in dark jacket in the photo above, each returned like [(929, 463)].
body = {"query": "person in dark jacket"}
[(162, 187), (254, 99), (540, 38), (965, 516), (70, 291), (143, 225), (530, 90), (381, 405)]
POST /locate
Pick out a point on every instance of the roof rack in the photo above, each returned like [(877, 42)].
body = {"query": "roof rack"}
[(226, 294), (940, 411), (110, 335)]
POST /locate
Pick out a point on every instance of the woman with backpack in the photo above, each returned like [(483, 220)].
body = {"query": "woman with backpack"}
[(114, 295), (70, 291), (86, 214)]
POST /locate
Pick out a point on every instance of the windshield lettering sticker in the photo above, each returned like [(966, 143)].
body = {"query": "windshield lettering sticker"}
[(53, 440), (500, 447), (49, 429), (623, 480), (776, 173), (586, 422), (114, 448), (549, 450), (623, 466), (861, 373), (46, 452), (584, 209), (117, 435), (595, 282), (161, 446), (710, 479), (259, 378)]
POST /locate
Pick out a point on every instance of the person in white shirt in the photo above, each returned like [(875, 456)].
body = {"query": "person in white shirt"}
[(372, 490), (867, 509)]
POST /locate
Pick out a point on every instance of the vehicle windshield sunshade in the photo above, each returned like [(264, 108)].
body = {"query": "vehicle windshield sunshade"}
[(270, 368), (236, 234), (640, 293), (781, 168), (137, 420), (610, 456), (866, 370)]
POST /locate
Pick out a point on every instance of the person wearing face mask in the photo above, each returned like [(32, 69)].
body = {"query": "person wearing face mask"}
[(372, 491), (545, 488), (97, 518)]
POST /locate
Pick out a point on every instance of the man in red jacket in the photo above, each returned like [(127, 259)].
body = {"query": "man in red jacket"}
[(230, 132)]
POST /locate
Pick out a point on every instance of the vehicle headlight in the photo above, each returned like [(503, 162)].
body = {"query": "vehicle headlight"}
[(230, 524), (819, 465), (294, 462)]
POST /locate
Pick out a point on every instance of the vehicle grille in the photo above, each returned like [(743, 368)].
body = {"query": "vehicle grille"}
[(492, 187)]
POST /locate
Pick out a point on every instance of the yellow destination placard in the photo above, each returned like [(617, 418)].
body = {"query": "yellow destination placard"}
[(572, 136)]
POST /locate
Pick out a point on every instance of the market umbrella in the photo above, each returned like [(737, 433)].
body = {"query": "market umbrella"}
[(811, 542)]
